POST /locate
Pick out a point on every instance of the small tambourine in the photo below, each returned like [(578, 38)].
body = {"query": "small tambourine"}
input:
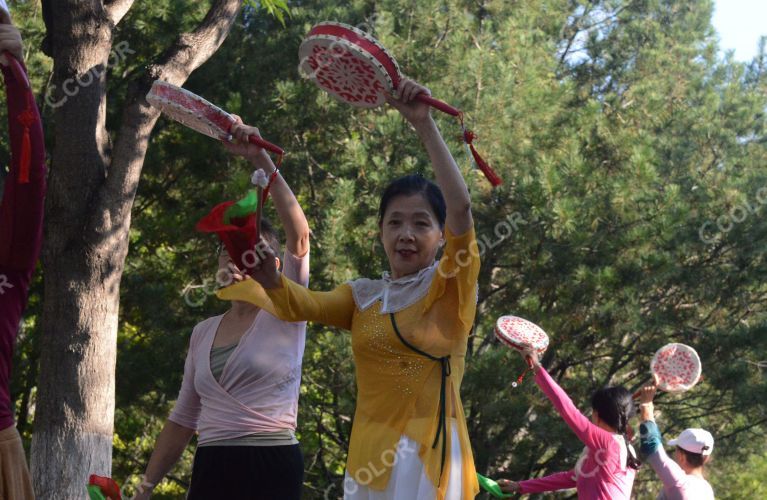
[(521, 335), (676, 367), (198, 114), (355, 68)]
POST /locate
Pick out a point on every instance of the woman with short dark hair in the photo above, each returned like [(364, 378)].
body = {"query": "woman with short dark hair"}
[(409, 330)]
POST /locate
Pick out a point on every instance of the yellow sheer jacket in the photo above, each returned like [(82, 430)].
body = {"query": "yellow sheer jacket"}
[(399, 391)]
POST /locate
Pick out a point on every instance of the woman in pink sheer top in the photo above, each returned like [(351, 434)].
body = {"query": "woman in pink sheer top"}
[(608, 464), (242, 378)]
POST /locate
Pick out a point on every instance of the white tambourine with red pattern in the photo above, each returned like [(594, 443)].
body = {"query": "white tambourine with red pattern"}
[(676, 367), (355, 68), (521, 334), (198, 114)]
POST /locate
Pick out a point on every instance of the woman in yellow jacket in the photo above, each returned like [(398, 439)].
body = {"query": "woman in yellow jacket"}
[(409, 331)]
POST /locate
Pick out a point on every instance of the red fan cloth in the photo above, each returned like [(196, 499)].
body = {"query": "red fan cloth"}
[(107, 485), (238, 236)]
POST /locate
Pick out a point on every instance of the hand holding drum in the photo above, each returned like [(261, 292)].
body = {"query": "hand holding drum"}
[(198, 114), (675, 368), (524, 336), (356, 69)]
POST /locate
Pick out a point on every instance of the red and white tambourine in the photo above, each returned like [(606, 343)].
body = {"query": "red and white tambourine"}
[(355, 68), (198, 114), (521, 334), (676, 367)]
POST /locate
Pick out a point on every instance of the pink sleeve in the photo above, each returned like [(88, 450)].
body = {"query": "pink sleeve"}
[(668, 471), (187, 410), (553, 482), (296, 268), (589, 434)]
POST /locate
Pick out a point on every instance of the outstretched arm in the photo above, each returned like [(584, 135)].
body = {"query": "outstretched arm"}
[(289, 211), (446, 171), (591, 435), (552, 482)]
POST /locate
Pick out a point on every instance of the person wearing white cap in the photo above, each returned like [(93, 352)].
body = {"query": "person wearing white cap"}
[(682, 477)]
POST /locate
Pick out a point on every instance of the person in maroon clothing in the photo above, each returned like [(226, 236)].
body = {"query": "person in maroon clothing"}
[(21, 220)]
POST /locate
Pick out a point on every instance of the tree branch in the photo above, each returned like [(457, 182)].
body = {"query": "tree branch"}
[(175, 65), (116, 10)]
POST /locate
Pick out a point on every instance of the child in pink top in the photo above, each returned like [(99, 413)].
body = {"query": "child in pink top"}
[(607, 466)]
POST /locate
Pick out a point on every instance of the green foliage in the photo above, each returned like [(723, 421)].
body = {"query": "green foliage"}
[(275, 8), (632, 214)]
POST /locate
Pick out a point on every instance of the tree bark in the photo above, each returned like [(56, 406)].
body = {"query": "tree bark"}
[(91, 190)]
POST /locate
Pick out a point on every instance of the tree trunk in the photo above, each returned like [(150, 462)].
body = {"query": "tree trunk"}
[(90, 195)]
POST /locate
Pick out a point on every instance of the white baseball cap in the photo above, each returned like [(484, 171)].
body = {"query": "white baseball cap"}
[(695, 441)]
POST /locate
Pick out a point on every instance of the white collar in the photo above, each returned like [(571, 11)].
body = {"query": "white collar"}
[(394, 294)]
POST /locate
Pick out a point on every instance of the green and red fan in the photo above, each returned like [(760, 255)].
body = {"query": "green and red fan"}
[(237, 224), (103, 488), (356, 69), (522, 335)]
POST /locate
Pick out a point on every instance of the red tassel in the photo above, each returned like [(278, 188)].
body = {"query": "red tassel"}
[(469, 137), (26, 118)]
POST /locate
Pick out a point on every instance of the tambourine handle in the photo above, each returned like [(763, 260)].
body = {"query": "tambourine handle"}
[(436, 103), (17, 69), (529, 361), (258, 141)]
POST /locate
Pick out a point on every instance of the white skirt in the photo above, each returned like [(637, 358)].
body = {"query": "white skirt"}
[(408, 480)]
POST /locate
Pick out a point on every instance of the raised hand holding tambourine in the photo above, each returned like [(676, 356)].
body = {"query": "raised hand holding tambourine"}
[(198, 114), (356, 69), (237, 224), (522, 335), (675, 368)]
